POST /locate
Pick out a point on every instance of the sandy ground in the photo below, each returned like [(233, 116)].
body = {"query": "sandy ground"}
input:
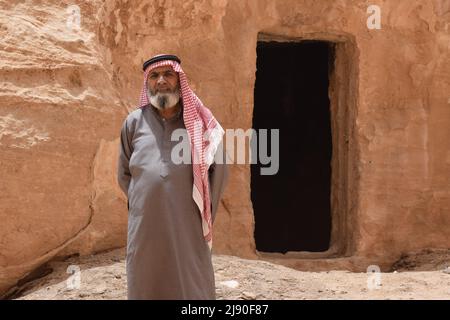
[(103, 276)]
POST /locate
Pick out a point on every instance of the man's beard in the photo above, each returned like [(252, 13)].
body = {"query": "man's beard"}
[(164, 100)]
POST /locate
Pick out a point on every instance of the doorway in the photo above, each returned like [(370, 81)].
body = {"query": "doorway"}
[(292, 208)]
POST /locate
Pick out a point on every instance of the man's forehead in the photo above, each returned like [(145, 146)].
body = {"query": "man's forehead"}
[(162, 69)]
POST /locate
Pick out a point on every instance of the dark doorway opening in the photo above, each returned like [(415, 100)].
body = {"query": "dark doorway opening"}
[(292, 208)]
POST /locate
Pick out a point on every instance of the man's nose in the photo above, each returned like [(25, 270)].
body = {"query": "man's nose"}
[(161, 80)]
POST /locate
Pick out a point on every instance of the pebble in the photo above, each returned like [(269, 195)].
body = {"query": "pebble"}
[(248, 295)]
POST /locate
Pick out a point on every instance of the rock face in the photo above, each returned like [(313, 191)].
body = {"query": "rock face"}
[(66, 90), (59, 116)]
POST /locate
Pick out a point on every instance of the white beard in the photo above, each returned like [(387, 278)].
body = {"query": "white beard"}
[(165, 100)]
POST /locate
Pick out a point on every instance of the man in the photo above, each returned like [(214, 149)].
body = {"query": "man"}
[(171, 207)]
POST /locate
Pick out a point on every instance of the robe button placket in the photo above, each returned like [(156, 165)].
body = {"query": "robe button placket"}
[(164, 171)]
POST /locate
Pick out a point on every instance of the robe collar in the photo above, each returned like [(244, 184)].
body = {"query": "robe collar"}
[(173, 118)]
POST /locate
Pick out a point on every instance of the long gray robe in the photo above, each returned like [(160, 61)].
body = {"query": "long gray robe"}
[(167, 255)]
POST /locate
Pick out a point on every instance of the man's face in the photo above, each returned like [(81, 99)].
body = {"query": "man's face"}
[(162, 80), (163, 87)]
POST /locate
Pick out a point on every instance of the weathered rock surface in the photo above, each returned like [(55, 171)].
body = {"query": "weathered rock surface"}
[(59, 116), (64, 93)]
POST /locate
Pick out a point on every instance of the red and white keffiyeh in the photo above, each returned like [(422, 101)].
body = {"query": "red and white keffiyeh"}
[(205, 135)]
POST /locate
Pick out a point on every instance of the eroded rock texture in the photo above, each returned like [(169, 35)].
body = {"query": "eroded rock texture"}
[(64, 93)]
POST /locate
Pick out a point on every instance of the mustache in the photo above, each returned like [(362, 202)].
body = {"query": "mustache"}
[(164, 91)]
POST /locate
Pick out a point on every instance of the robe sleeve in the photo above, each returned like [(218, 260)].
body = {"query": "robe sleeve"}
[(218, 178), (125, 151)]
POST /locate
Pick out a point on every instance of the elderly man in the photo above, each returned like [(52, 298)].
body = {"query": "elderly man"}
[(171, 205)]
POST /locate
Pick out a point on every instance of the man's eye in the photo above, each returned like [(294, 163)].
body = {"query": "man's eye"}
[(153, 76), (169, 74)]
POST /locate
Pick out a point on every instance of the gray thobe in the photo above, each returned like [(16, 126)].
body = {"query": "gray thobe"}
[(167, 255)]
